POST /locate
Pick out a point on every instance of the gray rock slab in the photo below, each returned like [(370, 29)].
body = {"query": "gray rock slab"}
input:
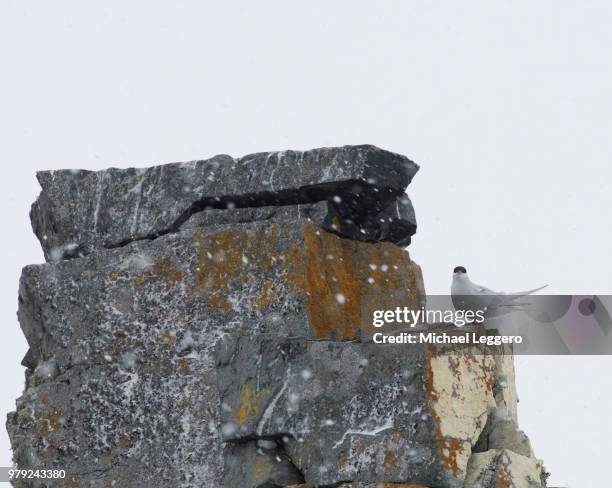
[(121, 382), (79, 211), (259, 464), (348, 411), (507, 435)]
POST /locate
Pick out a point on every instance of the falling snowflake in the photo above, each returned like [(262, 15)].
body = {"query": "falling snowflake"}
[(228, 429), (266, 444), (306, 374)]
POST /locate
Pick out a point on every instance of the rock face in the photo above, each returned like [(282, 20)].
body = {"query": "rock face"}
[(202, 325)]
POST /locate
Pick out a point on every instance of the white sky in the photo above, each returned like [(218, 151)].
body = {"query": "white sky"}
[(505, 104)]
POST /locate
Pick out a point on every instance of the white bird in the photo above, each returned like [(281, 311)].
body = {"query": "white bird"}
[(467, 295)]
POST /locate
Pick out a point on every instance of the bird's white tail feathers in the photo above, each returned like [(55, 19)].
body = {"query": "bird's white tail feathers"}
[(520, 294)]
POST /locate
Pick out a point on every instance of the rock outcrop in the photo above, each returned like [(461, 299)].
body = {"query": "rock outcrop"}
[(202, 325)]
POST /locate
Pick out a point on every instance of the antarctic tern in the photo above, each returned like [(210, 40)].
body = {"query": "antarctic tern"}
[(467, 295)]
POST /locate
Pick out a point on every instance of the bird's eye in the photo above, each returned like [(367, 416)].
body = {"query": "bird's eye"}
[(460, 269)]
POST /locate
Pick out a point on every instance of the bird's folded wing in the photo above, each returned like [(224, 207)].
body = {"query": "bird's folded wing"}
[(483, 290)]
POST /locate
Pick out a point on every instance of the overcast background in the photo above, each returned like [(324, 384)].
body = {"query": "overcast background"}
[(506, 106)]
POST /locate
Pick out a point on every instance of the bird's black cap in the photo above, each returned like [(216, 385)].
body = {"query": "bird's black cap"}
[(460, 269)]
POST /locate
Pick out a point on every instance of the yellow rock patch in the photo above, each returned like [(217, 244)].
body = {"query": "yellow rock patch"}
[(250, 403)]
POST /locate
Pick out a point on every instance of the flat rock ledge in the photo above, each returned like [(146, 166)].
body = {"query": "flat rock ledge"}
[(204, 324), (79, 211)]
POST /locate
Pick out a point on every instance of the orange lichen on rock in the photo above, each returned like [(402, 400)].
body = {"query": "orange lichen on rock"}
[(225, 256), (218, 302), (46, 425), (336, 277), (266, 297), (504, 478), (390, 460), (167, 270), (169, 338), (451, 450), (342, 273), (49, 423)]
